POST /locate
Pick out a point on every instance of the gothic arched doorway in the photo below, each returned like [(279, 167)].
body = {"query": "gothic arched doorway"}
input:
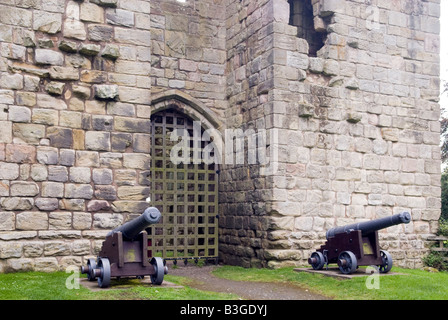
[(184, 190)]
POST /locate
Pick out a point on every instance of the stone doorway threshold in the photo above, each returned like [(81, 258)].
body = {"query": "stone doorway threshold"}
[(336, 273)]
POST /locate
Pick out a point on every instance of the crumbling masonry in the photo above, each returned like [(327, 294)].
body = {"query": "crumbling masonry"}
[(350, 86)]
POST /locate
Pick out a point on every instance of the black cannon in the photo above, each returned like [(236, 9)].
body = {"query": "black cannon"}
[(125, 253), (357, 245)]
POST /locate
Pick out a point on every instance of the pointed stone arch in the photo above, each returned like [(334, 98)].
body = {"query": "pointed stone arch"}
[(189, 106)]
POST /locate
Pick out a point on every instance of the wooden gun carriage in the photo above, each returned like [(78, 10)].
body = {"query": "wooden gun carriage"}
[(357, 245), (125, 253)]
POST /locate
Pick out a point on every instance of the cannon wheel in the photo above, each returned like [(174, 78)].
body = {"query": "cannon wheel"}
[(104, 277), (159, 271), (91, 265), (319, 260), (387, 261), (347, 262)]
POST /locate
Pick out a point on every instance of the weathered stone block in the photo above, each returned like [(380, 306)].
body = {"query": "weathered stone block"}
[(96, 107), (129, 206), (11, 81), (58, 173), (74, 29), (5, 131), (30, 133), (24, 189), (102, 123), (60, 137), (137, 161), (87, 159), (105, 192), (15, 203), (47, 22), (55, 88), (52, 189), (47, 204), (45, 116), (82, 221), (60, 220), (20, 153), (120, 141), (100, 33), (120, 17), (10, 250), (107, 220), (32, 221), (132, 125), (90, 12), (68, 46), (98, 205), (78, 191), (49, 102), (102, 176), (89, 49), (97, 140), (80, 175), (57, 248), (16, 16), (67, 157), (47, 155), (132, 193), (47, 56), (110, 52), (105, 91), (7, 221), (64, 73), (93, 76), (19, 114)]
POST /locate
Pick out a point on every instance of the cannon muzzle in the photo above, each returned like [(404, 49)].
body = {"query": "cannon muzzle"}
[(371, 226), (131, 229)]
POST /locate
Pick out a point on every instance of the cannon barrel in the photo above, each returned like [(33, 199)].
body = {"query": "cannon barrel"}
[(371, 226), (131, 229)]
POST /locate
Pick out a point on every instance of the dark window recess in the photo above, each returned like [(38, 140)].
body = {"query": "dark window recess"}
[(302, 17)]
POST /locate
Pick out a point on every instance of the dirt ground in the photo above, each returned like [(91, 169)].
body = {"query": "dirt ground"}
[(203, 279)]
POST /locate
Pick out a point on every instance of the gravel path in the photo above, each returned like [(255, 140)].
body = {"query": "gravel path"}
[(203, 279)]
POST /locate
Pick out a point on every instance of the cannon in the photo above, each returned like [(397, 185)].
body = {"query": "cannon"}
[(124, 253), (356, 245)]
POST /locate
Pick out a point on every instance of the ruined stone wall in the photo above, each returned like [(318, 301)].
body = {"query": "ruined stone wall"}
[(358, 126), (365, 138), (74, 124)]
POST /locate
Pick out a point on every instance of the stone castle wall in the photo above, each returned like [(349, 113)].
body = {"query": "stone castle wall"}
[(73, 155), (356, 116), (357, 124)]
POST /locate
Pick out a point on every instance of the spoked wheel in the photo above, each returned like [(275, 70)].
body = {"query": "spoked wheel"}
[(104, 272), (347, 262), (159, 271), (387, 261), (91, 265), (317, 260)]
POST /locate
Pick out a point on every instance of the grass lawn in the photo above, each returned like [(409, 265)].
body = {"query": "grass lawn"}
[(413, 285), (52, 286)]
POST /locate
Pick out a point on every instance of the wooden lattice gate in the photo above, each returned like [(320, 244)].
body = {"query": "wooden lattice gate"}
[(185, 193)]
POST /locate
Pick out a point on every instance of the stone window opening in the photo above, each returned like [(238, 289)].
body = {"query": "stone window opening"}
[(309, 25)]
